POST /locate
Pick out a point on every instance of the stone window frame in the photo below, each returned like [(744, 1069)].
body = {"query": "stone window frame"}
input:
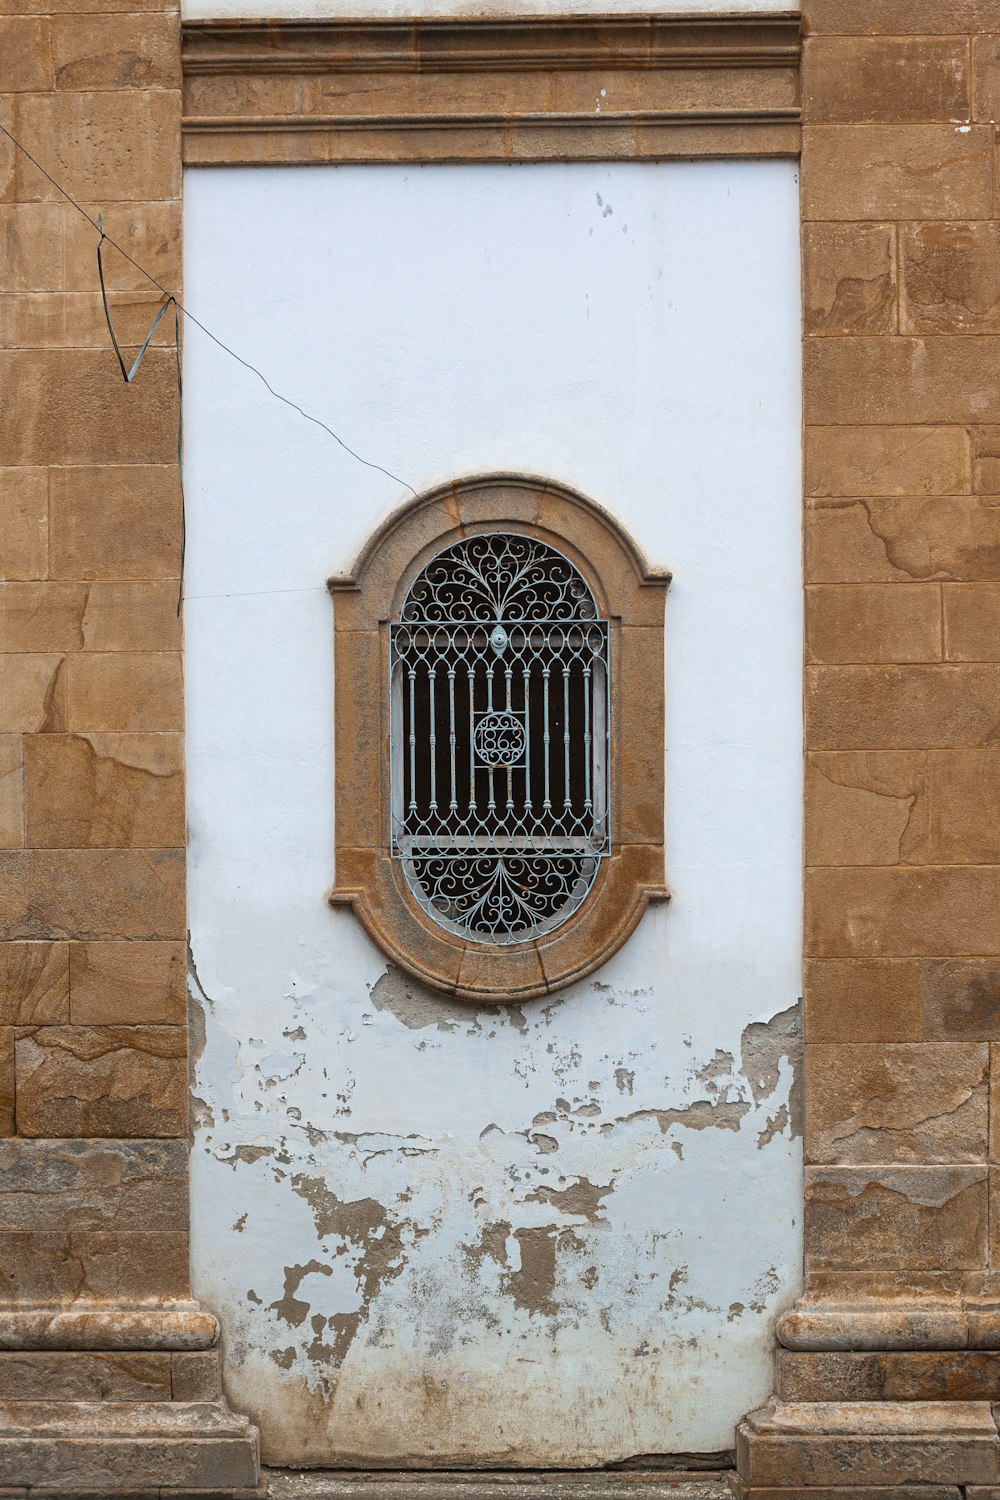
[(632, 597)]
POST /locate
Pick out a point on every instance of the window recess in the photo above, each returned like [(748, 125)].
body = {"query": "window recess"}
[(500, 738), (499, 750)]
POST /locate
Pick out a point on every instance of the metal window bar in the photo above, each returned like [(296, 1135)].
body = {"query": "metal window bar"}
[(500, 870)]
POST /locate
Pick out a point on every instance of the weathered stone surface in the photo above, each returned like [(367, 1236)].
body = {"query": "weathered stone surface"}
[(885, 172), (892, 1308), (875, 540), (858, 1000), (995, 1148), (49, 247), (34, 983), (886, 461), (92, 1266), (75, 320), (580, 1484), (72, 407), (743, 1491), (101, 1081), (986, 74), (961, 999), (897, 1102), (940, 1375), (132, 616), (972, 621), (123, 147), (176, 1323), (112, 52), (853, 79), (873, 622), (964, 806), (120, 691), (866, 808), (25, 55), (91, 893), (849, 278), (6, 1080), (85, 1184), (119, 790), (913, 1218), (950, 278), (127, 1444), (196, 1376), (884, 913), (11, 791), (899, 708), (99, 617), (24, 523), (119, 522), (887, 381), (899, 17), (42, 616), (33, 692), (985, 460), (113, 983), (806, 1444), (58, 1376)]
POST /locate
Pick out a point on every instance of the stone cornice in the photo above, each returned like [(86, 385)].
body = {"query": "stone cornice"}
[(524, 88), (489, 44)]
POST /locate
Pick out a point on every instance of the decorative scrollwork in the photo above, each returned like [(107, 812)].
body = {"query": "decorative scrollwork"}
[(500, 689), (499, 576), (501, 899)]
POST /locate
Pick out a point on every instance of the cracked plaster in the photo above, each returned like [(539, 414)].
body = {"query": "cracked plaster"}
[(558, 1233)]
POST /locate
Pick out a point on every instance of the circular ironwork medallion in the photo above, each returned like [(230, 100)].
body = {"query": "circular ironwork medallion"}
[(500, 740)]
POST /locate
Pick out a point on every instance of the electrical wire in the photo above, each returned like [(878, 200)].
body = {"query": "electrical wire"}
[(95, 224)]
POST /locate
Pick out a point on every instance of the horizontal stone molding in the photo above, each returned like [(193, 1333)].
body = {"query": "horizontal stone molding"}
[(805, 1446), (511, 89), (958, 1322), (490, 44), (176, 1325)]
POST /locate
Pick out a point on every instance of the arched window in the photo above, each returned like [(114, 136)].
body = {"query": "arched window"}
[(499, 751), (499, 738)]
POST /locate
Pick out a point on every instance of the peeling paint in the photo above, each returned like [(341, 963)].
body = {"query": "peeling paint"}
[(582, 1199), (289, 1308), (763, 1045), (552, 1235), (418, 1007)]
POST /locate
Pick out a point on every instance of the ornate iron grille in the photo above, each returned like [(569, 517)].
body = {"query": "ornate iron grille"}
[(499, 738)]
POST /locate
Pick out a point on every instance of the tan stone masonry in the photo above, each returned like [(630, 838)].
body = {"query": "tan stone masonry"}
[(886, 1379), (888, 1369), (108, 1368)]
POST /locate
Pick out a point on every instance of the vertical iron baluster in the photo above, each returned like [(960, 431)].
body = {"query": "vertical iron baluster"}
[(588, 801), (491, 804), (567, 800), (527, 733), (433, 738), (546, 800), (453, 804), (472, 737), (413, 740), (508, 675)]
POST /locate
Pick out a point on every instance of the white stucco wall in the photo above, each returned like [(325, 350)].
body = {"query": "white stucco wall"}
[(561, 1234)]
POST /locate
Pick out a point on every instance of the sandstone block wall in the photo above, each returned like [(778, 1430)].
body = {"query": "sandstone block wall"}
[(900, 101), (93, 1079)]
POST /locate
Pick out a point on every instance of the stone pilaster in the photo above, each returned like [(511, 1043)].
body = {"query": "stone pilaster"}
[(886, 1376), (108, 1366)]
